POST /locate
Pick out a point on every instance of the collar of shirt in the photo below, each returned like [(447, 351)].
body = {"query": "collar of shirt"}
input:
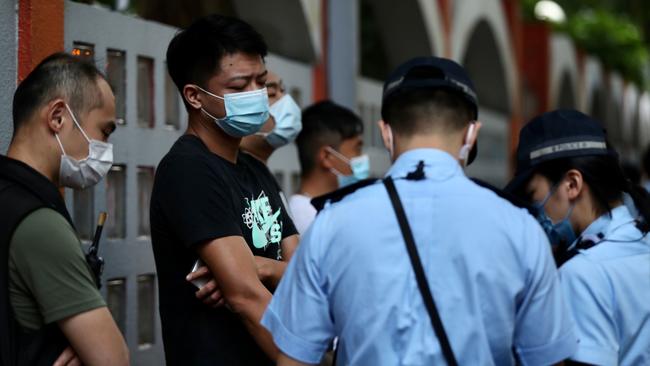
[(34, 182), (438, 165), (606, 225)]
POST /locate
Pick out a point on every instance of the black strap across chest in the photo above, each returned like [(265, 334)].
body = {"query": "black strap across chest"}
[(420, 276)]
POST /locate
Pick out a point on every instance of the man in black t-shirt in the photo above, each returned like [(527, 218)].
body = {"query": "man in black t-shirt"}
[(212, 202)]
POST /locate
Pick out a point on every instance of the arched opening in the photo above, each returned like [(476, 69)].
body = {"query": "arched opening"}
[(391, 34), (643, 137), (485, 65), (566, 95), (612, 119), (374, 56), (598, 109)]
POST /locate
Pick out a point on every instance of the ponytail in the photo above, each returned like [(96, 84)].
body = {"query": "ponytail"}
[(641, 200)]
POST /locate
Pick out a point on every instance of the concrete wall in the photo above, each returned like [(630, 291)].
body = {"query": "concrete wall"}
[(8, 43), (369, 109), (564, 73), (134, 146)]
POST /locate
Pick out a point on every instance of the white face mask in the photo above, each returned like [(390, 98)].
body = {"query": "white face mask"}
[(246, 112), (463, 155), (390, 142), (288, 122), (80, 174)]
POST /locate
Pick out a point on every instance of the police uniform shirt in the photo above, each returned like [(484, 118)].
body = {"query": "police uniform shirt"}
[(488, 264), (608, 290)]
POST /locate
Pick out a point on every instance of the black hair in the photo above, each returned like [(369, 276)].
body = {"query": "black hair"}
[(426, 110), (60, 75), (606, 180), (195, 53), (324, 124), (631, 171)]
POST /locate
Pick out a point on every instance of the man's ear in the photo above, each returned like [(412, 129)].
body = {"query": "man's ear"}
[(191, 95), (574, 183), (472, 136), (55, 113), (386, 134), (323, 158)]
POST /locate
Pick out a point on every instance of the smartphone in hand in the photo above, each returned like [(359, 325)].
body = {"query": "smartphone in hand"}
[(201, 281)]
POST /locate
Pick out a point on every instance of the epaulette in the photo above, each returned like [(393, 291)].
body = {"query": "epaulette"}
[(514, 200), (320, 201)]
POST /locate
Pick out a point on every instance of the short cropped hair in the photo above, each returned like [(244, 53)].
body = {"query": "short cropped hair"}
[(427, 110), (195, 53), (324, 124), (60, 75)]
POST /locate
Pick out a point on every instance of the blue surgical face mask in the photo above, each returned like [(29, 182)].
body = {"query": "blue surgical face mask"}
[(360, 166), (288, 122), (246, 112), (561, 233)]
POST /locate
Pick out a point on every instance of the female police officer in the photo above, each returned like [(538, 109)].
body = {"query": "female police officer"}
[(568, 170)]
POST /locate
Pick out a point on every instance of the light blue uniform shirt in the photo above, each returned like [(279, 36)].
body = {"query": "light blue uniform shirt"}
[(488, 264), (608, 289)]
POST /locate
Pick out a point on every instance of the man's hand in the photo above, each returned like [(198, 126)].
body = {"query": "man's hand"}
[(232, 264), (269, 271), (289, 245), (210, 293), (68, 358)]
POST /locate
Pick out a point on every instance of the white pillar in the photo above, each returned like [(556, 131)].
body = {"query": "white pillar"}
[(343, 51)]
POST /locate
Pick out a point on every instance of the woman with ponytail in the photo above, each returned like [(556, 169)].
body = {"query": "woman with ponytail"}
[(569, 172)]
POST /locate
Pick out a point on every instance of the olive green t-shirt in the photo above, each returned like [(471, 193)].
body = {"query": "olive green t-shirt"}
[(49, 279)]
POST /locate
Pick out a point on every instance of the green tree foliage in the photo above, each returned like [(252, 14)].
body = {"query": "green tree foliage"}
[(610, 30), (614, 39)]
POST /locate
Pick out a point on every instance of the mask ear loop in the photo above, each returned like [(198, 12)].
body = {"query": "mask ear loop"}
[(74, 119), (338, 154), (391, 142), (465, 150), (336, 172), (56, 135), (548, 196), (214, 96), (208, 93), (211, 116)]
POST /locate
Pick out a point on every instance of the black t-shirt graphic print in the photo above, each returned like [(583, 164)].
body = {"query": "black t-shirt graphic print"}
[(265, 227), (198, 197)]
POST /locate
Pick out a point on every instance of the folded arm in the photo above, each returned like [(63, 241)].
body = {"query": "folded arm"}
[(232, 264), (95, 338)]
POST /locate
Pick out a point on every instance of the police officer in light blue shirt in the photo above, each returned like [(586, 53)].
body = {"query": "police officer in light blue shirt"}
[(487, 264), (566, 166)]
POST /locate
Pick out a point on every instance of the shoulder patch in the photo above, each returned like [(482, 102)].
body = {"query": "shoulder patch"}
[(320, 201)]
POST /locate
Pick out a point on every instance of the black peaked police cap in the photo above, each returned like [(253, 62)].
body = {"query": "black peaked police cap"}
[(432, 73), (553, 135)]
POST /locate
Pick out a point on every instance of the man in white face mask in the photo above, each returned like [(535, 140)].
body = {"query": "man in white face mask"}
[(63, 112), (212, 202), (330, 148), (282, 127)]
